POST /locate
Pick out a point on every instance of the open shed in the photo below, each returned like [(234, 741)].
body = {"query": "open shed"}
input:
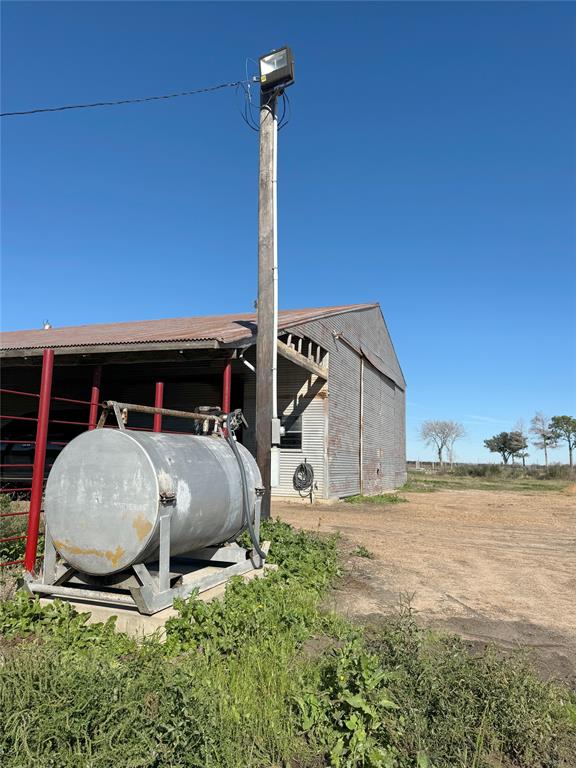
[(341, 391)]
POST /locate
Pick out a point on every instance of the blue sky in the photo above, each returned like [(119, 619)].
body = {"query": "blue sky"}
[(429, 165)]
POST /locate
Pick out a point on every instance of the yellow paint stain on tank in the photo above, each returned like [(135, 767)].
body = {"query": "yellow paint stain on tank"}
[(141, 526), (112, 557)]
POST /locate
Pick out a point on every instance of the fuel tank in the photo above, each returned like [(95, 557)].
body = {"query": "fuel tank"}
[(107, 490)]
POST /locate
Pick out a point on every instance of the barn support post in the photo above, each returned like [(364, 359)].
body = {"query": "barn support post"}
[(226, 387), (158, 400), (95, 397), (39, 460)]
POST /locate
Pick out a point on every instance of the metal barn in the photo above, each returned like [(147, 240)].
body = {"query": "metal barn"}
[(341, 391)]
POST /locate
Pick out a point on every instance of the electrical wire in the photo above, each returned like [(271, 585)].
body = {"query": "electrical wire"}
[(287, 108), (208, 89), (247, 114)]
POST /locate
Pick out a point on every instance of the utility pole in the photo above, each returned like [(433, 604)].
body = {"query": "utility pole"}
[(276, 73), (267, 318)]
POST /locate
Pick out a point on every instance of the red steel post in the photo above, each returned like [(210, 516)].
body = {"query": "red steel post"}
[(39, 460), (158, 400), (95, 397), (226, 387)]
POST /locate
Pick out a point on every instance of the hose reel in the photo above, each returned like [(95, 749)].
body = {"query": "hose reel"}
[(303, 479)]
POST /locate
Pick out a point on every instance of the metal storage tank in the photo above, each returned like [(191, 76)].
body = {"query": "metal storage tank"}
[(108, 488)]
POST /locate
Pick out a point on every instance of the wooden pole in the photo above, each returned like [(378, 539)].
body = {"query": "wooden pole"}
[(267, 332)]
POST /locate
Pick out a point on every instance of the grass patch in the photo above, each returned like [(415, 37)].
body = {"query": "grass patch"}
[(234, 685), (381, 498), (419, 482)]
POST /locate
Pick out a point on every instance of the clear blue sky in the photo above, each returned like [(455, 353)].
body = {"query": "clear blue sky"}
[(429, 165)]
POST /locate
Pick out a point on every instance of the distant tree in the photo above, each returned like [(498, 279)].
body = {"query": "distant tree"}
[(520, 439), (457, 432), (544, 436), (499, 444), (518, 444), (442, 435), (507, 444), (564, 430)]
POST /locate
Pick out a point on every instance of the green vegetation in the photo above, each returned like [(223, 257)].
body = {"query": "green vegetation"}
[(361, 551), (381, 498), (489, 477), (266, 678), (508, 445), (13, 526), (563, 429)]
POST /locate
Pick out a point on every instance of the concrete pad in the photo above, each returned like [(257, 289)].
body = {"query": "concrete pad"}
[(135, 624)]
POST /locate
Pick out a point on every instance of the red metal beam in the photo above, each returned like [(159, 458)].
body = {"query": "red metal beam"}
[(18, 392), (227, 387), (158, 400), (39, 460), (95, 397)]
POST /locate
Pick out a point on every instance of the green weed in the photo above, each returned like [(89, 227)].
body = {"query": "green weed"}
[(361, 551), (243, 683), (381, 498), (403, 696)]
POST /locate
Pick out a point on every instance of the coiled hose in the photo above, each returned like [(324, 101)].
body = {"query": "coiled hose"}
[(245, 495), (303, 477)]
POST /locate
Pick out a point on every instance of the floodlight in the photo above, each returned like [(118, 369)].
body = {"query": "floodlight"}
[(277, 69)]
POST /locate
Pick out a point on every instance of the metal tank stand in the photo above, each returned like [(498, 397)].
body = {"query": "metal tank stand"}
[(150, 587)]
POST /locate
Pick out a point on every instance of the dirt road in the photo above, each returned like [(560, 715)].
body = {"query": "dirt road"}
[(489, 565)]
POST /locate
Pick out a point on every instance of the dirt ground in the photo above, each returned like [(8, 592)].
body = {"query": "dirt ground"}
[(492, 566)]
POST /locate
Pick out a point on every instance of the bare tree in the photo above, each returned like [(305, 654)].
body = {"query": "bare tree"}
[(442, 435), (544, 436), (521, 437)]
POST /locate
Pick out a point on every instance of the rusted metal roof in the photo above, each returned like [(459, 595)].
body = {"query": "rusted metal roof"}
[(222, 329)]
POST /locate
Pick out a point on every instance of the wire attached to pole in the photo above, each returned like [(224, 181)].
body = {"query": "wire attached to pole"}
[(118, 102)]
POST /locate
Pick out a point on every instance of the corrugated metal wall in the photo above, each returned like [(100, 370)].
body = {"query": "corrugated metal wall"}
[(344, 422), (384, 441), (400, 402), (296, 389)]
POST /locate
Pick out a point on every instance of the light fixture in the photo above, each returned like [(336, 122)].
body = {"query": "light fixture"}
[(277, 69)]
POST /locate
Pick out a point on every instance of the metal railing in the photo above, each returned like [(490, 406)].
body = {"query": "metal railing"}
[(31, 485), (35, 489)]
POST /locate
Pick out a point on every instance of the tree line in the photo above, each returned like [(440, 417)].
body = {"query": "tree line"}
[(547, 434)]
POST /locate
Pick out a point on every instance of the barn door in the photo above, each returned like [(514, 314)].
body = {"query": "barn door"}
[(378, 443)]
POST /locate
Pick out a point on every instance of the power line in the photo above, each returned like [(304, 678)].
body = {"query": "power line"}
[(209, 89)]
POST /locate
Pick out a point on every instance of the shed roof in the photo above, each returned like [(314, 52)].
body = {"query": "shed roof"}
[(222, 329)]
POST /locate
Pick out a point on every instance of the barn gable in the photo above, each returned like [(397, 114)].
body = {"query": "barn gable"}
[(365, 450)]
